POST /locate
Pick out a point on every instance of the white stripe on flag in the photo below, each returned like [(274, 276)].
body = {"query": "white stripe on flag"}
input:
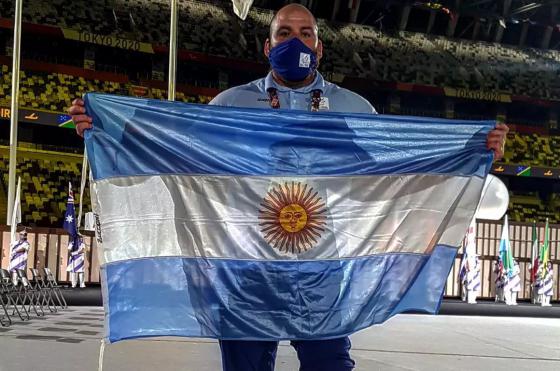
[(218, 216)]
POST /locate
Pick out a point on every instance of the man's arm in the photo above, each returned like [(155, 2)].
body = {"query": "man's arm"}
[(22, 248), (79, 116), (496, 140)]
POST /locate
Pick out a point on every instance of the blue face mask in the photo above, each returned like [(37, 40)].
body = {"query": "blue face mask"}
[(293, 60)]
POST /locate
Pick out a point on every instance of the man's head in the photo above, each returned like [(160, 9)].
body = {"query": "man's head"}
[(294, 21)]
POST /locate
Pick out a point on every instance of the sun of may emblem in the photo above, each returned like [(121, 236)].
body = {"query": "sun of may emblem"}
[(292, 217)]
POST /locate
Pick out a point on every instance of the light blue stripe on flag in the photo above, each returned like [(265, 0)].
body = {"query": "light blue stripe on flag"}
[(265, 225), (145, 137), (276, 300)]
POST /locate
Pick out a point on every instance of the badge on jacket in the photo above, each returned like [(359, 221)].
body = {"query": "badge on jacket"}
[(324, 104)]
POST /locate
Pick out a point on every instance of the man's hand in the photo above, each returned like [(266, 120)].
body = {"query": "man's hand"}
[(496, 140), (78, 113)]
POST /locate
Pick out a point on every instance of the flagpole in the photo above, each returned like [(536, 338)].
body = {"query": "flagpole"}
[(533, 238), (172, 52), (17, 205), (14, 110), (545, 250), (82, 187)]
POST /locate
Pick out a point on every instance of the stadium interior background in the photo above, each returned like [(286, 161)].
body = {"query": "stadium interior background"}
[(497, 60)]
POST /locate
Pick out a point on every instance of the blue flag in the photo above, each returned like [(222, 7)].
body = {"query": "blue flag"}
[(252, 224), (69, 216), (505, 252)]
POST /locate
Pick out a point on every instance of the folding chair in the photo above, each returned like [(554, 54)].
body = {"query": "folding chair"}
[(11, 295), (29, 294), (5, 319), (51, 282), (45, 291)]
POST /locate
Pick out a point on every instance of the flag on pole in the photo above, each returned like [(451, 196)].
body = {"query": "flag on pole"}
[(241, 7), (544, 253), (82, 188), (505, 250), (469, 249), (259, 224), (16, 211), (534, 253), (70, 215)]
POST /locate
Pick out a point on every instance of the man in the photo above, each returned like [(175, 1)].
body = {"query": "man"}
[(546, 283), (472, 282), (500, 280), (18, 255), (294, 52), (513, 285), (533, 268), (470, 268), (76, 261)]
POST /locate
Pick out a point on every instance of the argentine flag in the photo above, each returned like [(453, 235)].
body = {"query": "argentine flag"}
[(255, 224)]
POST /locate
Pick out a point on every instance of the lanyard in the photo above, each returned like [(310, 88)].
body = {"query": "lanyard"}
[(275, 100)]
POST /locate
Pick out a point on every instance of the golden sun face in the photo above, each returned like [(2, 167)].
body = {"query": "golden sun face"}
[(292, 217)]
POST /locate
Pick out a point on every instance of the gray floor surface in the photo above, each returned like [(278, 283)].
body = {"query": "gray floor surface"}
[(70, 340)]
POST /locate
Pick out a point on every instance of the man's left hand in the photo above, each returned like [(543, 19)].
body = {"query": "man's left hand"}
[(496, 140)]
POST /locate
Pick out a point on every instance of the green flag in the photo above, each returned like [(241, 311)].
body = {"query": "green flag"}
[(543, 256)]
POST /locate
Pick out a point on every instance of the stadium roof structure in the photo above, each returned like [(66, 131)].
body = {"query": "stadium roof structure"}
[(534, 11), (528, 23), (545, 12)]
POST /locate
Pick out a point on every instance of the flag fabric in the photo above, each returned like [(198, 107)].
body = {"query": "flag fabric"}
[(255, 224), (241, 7), (546, 281), (471, 275), (499, 271), (76, 260), (505, 250), (469, 248), (544, 253), (70, 215), (534, 253), (463, 269)]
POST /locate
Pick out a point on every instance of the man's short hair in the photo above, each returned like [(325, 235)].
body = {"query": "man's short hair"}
[(276, 13)]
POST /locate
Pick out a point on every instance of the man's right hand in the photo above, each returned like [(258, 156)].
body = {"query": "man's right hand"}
[(78, 113)]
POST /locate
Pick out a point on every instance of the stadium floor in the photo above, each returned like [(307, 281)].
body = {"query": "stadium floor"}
[(70, 340)]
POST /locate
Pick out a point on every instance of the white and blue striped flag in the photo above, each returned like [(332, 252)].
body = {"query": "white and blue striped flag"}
[(239, 223)]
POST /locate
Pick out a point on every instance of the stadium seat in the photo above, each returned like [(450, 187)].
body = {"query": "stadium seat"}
[(44, 186)]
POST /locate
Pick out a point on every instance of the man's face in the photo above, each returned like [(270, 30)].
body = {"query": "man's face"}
[(291, 23)]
